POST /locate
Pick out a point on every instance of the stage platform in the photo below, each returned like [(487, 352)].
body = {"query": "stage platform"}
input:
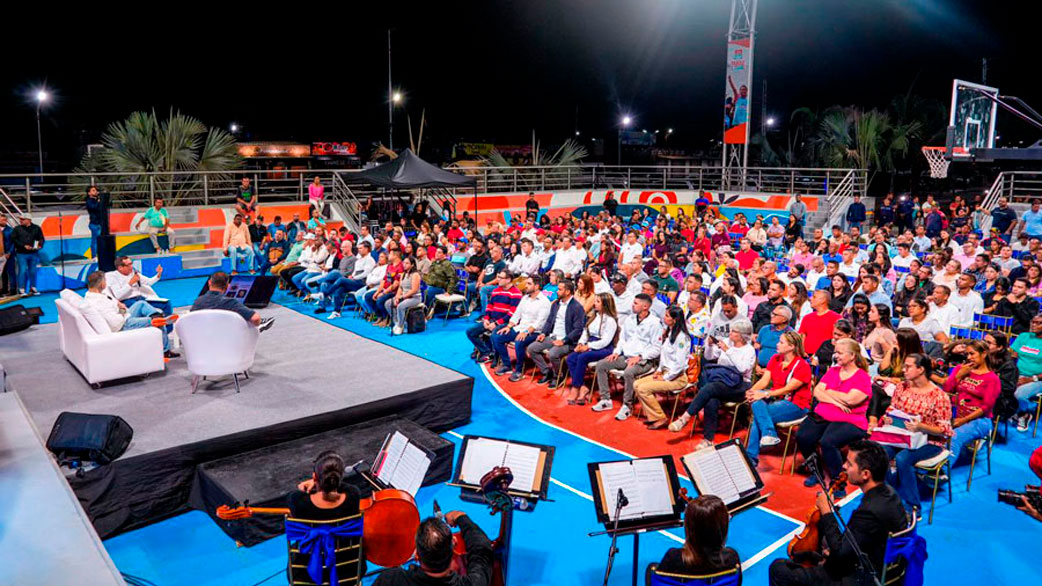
[(308, 378), (43, 532)]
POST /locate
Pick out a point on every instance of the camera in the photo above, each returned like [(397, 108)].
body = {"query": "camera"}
[(1012, 497)]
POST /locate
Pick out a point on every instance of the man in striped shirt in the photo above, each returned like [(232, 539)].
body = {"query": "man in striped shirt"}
[(502, 304)]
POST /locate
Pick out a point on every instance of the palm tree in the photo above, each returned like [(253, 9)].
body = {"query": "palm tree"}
[(175, 149), (568, 154)]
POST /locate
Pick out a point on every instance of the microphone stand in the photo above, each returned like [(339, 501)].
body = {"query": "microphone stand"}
[(620, 502), (863, 563)]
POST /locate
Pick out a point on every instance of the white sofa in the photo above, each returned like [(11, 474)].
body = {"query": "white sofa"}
[(100, 354), (216, 342)]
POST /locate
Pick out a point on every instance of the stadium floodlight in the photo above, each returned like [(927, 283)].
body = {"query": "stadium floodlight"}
[(627, 120), (42, 96), (234, 127)]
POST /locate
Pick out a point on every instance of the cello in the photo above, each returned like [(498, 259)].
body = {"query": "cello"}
[(805, 548), (389, 523), (494, 487)]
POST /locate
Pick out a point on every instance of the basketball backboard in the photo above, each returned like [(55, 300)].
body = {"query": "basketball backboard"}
[(972, 118)]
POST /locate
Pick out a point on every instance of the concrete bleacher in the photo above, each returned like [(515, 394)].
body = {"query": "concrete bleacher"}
[(46, 537), (199, 236)]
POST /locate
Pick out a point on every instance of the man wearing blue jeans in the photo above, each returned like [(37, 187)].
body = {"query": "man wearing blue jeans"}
[(95, 216), (27, 240), (1028, 349), (119, 317)]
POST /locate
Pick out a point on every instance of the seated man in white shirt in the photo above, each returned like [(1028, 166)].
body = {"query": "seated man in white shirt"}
[(945, 313), (658, 307), (630, 249), (966, 299), (129, 286), (523, 327), (526, 263), (849, 266), (569, 259), (904, 256), (636, 354), (119, 317)]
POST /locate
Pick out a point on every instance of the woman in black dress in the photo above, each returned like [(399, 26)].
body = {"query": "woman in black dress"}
[(705, 531), (324, 496)]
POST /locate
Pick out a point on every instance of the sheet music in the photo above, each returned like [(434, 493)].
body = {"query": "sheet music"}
[(411, 469), (654, 487), (738, 468), (616, 475), (522, 461), (708, 465), (404, 464), (482, 456)]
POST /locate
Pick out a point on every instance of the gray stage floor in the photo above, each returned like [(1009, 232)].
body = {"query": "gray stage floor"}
[(304, 367)]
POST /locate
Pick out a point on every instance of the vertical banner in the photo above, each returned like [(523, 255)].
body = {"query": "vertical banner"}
[(736, 97)]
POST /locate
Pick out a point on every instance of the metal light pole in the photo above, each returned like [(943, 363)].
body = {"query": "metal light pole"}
[(390, 97), (41, 97), (624, 123)]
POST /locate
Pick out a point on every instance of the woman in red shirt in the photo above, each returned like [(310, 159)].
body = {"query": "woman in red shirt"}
[(840, 416), (702, 242), (932, 412), (976, 388), (781, 394)]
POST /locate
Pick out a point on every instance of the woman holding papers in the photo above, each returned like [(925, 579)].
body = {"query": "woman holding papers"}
[(705, 534), (781, 394), (840, 417), (596, 342), (671, 374), (920, 407)]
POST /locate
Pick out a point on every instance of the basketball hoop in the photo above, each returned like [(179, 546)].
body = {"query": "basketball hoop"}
[(938, 164)]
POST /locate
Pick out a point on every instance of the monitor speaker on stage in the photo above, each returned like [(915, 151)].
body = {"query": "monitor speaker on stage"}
[(106, 252), (254, 291)]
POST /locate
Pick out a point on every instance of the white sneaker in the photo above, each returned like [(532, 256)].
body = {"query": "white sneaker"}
[(333, 315), (1024, 421), (397, 330), (317, 297), (769, 440), (623, 414), (602, 405)]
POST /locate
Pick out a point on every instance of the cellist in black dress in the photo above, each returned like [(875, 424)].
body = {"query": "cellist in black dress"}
[(705, 534)]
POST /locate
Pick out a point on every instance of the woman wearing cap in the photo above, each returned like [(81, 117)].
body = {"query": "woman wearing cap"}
[(737, 353)]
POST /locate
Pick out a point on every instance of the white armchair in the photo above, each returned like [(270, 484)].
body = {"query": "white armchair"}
[(215, 342), (100, 354)]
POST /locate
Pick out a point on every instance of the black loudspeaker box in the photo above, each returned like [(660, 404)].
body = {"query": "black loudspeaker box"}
[(15, 319), (89, 438), (106, 252)]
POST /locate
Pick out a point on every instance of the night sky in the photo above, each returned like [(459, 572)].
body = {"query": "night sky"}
[(495, 70)]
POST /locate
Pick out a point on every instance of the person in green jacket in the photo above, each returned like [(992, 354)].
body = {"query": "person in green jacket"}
[(442, 276)]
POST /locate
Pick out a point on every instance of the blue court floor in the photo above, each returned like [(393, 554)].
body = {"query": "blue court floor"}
[(973, 540)]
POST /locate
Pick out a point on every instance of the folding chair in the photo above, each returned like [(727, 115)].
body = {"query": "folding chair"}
[(347, 545), (449, 299), (894, 572), (653, 577), (790, 428), (1038, 411), (933, 469), (982, 444)]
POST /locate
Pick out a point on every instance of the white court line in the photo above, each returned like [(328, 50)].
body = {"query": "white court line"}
[(745, 565)]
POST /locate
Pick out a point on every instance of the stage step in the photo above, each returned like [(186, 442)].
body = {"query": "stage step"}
[(267, 476), (201, 259), (183, 215), (187, 236)]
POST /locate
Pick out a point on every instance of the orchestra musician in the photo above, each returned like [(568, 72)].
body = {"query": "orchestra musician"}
[(879, 514), (324, 496), (705, 534), (434, 551)]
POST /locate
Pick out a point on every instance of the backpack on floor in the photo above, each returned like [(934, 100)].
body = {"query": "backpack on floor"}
[(416, 319)]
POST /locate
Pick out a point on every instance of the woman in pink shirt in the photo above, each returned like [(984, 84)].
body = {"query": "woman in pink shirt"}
[(841, 415), (976, 388), (316, 194)]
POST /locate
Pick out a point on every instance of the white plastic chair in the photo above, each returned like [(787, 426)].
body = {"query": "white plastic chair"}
[(216, 342)]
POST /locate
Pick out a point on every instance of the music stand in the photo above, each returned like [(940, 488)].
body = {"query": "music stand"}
[(745, 487), (470, 489), (616, 526)]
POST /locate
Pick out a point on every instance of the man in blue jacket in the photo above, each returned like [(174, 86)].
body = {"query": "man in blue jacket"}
[(560, 334), (856, 213)]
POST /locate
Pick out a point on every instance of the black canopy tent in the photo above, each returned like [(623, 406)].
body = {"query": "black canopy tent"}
[(409, 171)]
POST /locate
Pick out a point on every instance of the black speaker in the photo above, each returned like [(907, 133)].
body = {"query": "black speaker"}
[(106, 252), (89, 438), (16, 318)]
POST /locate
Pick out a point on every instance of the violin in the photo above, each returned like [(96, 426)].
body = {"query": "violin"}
[(494, 487), (390, 520), (805, 548)]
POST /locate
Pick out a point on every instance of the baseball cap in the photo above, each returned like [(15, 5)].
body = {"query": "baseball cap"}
[(309, 236)]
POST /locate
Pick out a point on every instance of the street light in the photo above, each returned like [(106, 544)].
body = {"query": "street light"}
[(234, 128), (770, 121), (396, 97), (625, 122), (41, 97)]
